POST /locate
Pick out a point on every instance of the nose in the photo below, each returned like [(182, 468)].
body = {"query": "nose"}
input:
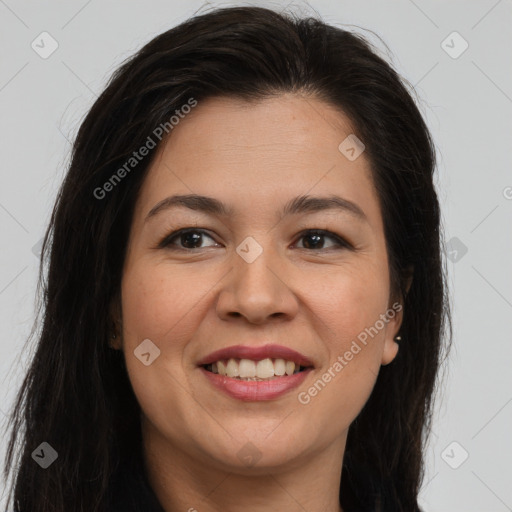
[(258, 291)]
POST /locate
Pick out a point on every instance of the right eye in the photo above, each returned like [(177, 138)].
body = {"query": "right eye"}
[(189, 238)]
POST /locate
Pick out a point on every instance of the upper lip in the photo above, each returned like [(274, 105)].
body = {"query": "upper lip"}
[(256, 354)]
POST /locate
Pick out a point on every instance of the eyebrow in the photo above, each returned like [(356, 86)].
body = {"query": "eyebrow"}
[(299, 204)]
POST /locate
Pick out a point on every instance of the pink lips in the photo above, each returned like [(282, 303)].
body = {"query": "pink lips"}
[(256, 390), (253, 391)]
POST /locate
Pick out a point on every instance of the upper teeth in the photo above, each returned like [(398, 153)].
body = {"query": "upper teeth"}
[(248, 368)]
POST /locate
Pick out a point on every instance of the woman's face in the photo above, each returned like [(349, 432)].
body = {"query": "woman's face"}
[(253, 277)]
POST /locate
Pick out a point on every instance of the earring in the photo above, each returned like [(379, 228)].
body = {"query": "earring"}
[(112, 337), (398, 338)]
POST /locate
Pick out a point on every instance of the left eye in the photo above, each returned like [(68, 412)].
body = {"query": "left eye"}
[(189, 238), (315, 239)]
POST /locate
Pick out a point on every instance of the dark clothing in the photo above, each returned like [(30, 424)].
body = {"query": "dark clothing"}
[(131, 492)]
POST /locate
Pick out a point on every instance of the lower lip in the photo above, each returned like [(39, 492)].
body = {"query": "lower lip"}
[(255, 391)]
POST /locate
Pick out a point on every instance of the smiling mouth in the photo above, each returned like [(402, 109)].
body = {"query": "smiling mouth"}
[(251, 370)]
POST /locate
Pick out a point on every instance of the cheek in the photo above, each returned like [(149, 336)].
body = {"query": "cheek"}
[(350, 301), (348, 309), (158, 305), (158, 302)]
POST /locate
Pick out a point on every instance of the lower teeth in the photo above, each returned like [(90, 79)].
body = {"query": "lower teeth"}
[(257, 378)]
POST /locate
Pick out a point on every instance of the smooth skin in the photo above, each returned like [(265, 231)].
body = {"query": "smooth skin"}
[(314, 295)]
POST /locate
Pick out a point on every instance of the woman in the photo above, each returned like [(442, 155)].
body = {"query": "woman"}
[(245, 303)]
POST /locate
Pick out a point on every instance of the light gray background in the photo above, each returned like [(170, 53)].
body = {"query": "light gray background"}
[(467, 102)]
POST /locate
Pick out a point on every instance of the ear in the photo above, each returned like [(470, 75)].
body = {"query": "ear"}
[(115, 331), (390, 345), (396, 314)]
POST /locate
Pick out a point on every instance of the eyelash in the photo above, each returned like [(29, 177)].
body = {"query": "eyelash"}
[(166, 242)]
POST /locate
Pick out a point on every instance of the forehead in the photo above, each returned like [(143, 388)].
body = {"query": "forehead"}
[(257, 155)]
